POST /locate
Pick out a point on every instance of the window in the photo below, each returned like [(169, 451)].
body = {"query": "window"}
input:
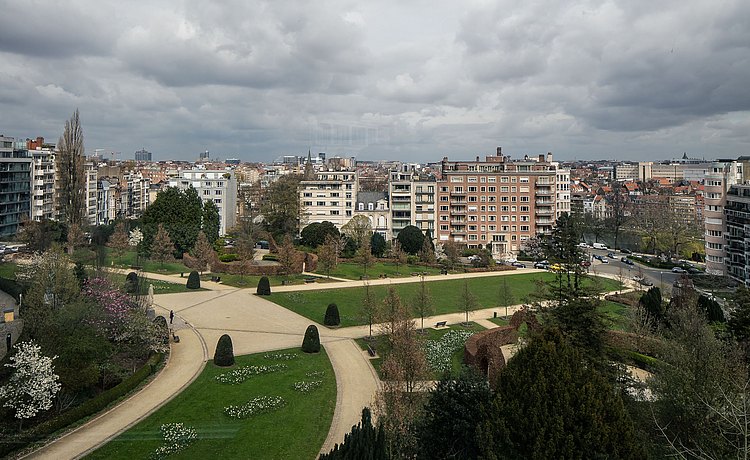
[(472, 228), (443, 198), (504, 199), (493, 228), (493, 218), (505, 218), (458, 189), (505, 228), (307, 195), (308, 203), (443, 218), (334, 203), (504, 208), (472, 188), (473, 199), (472, 237), (361, 206), (443, 208), (492, 179), (206, 192), (504, 179), (321, 203), (483, 179), (472, 179), (457, 179), (217, 192), (524, 218), (482, 189), (524, 209), (493, 208), (335, 213), (524, 180), (524, 228), (444, 228), (483, 208), (513, 199), (444, 189), (524, 199), (217, 200)]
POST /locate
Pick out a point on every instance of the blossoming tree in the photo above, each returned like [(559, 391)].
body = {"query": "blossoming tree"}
[(33, 385)]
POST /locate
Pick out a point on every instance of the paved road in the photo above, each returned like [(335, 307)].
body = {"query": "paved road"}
[(659, 277)]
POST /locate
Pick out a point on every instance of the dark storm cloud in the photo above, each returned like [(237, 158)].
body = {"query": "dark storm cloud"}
[(410, 80)]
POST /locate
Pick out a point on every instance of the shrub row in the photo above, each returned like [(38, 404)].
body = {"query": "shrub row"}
[(90, 407), (228, 257)]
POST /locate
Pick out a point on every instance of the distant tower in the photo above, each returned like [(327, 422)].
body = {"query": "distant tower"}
[(203, 156), (309, 173), (142, 155)]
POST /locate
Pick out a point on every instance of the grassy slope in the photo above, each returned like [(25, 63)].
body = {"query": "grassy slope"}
[(295, 431), (353, 271)]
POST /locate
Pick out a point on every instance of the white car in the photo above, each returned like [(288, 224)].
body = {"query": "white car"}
[(583, 245)]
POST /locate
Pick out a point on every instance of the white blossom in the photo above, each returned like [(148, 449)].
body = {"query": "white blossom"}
[(33, 385), (135, 237)]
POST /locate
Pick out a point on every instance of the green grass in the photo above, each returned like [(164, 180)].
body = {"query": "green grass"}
[(160, 287), (8, 270), (297, 430), (381, 345), (500, 321), (446, 295), (129, 259), (615, 315), (251, 281), (353, 271)]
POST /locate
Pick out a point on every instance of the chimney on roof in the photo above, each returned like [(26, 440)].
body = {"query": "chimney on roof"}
[(541, 158), (477, 158), (499, 151), (549, 157)]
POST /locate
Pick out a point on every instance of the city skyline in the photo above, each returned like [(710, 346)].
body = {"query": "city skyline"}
[(412, 82)]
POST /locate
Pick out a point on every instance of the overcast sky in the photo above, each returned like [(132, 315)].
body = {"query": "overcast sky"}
[(404, 79)]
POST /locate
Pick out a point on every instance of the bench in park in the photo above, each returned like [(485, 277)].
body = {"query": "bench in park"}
[(310, 279), (441, 324), (216, 279), (371, 351)]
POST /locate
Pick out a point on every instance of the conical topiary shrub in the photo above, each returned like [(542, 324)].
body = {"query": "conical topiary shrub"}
[(224, 355), (194, 280), (264, 286), (311, 342), (332, 317), (131, 283)]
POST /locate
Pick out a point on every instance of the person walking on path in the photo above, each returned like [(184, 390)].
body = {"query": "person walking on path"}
[(171, 316)]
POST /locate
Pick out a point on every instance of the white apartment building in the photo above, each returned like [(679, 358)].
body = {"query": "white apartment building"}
[(219, 186), (329, 197), (722, 175), (91, 171), (562, 191), (43, 183), (412, 200)]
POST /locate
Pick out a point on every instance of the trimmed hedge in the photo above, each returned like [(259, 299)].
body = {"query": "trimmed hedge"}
[(193, 281), (271, 257), (88, 408), (264, 286), (332, 317), (311, 342), (131, 283), (228, 257), (224, 354)]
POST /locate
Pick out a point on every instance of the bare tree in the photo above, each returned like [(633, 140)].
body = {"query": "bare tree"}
[(328, 255), (287, 256), (398, 255), (358, 229), (423, 305), (364, 256), (369, 307), (468, 300), (505, 295), (119, 242), (203, 252), (71, 179), (452, 252)]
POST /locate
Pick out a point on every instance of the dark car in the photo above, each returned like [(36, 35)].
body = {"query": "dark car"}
[(626, 251), (518, 265), (597, 257), (611, 255), (543, 265), (693, 271), (626, 261)]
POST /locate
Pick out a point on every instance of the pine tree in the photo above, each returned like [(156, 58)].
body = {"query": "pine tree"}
[(363, 442)]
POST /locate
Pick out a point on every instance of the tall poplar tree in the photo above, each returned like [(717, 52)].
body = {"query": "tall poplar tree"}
[(71, 180)]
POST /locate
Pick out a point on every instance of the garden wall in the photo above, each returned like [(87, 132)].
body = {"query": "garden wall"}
[(310, 260)]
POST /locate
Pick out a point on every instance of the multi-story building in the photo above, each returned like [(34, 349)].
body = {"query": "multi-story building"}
[(15, 185), (43, 181), (737, 233), (219, 186), (329, 197), (107, 193), (143, 155), (91, 171), (134, 195), (722, 175), (374, 206), (498, 203), (412, 198)]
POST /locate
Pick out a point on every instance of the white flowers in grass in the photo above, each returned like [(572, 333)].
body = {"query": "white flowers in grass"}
[(255, 406), (315, 374), (439, 352), (306, 387), (33, 385), (281, 356), (176, 436), (243, 373)]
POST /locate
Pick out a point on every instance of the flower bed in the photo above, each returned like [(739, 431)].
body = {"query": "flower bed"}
[(177, 437), (255, 406), (306, 387), (439, 352), (243, 373), (315, 374), (281, 356)]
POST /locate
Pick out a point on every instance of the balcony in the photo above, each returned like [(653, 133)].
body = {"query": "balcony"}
[(544, 212), (542, 192), (544, 202)]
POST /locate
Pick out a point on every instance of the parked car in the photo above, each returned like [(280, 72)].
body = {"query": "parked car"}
[(600, 246), (556, 267), (518, 265), (611, 255), (604, 260), (626, 261), (584, 245), (597, 257), (543, 265), (694, 271), (626, 251), (678, 270), (585, 263), (473, 258)]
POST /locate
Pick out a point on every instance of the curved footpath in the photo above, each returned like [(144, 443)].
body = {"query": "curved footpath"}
[(256, 325)]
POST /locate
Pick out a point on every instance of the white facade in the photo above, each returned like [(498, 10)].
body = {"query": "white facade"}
[(329, 197), (43, 184), (412, 200), (219, 186)]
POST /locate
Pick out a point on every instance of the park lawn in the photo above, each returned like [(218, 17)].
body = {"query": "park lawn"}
[(160, 286), (353, 271), (446, 295), (615, 315), (296, 430), (251, 281), (8, 270), (129, 258), (457, 358), (500, 321)]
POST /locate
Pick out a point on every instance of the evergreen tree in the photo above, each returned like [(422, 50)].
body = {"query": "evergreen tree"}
[(210, 221), (194, 280), (332, 317), (427, 253), (363, 442), (549, 404), (411, 239), (180, 212), (452, 414), (264, 286), (377, 244), (224, 354), (203, 252), (653, 305), (316, 233), (311, 341)]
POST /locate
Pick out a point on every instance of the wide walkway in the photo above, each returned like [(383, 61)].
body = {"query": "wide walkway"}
[(255, 325)]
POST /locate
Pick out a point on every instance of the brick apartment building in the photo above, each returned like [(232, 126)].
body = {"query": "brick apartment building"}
[(499, 203)]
